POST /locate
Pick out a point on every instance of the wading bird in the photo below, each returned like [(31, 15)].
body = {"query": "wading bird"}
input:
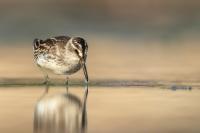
[(62, 55)]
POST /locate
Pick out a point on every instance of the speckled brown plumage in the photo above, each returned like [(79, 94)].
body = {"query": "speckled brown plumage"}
[(61, 54)]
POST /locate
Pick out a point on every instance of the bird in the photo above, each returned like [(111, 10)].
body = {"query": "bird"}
[(61, 55)]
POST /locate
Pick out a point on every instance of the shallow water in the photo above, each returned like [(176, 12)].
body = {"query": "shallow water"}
[(108, 110)]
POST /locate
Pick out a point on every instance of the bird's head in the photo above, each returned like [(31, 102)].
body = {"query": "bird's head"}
[(80, 47)]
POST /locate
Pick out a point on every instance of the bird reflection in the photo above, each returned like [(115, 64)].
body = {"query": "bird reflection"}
[(60, 113)]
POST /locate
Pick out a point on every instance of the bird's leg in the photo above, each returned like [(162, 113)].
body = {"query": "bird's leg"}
[(46, 82), (46, 77), (67, 83), (47, 87)]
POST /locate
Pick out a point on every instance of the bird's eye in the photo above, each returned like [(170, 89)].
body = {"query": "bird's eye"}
[(36, 43)]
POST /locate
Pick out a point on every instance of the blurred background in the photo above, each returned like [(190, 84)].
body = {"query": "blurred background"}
[(128, 40)]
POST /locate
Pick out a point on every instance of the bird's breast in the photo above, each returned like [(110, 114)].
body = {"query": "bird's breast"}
[(66, 64)]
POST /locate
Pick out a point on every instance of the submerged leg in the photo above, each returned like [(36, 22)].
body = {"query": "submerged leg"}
[(67, 83), (47, 88), (46, 83)]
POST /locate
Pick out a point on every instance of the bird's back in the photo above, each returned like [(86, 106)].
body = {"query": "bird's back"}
[(50, 42)]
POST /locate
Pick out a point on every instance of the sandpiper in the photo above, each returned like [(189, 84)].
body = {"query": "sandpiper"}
[(62, 55)]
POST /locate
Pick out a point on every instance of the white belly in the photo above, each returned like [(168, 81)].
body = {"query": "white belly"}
[(68, 65)]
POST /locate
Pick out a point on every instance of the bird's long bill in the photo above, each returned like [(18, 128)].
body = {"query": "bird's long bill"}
[(85, 72)]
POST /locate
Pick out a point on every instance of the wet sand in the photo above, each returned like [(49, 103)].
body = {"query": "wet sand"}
[(109, 109)]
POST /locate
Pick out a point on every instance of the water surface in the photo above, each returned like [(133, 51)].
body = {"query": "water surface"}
[(109, 109)]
